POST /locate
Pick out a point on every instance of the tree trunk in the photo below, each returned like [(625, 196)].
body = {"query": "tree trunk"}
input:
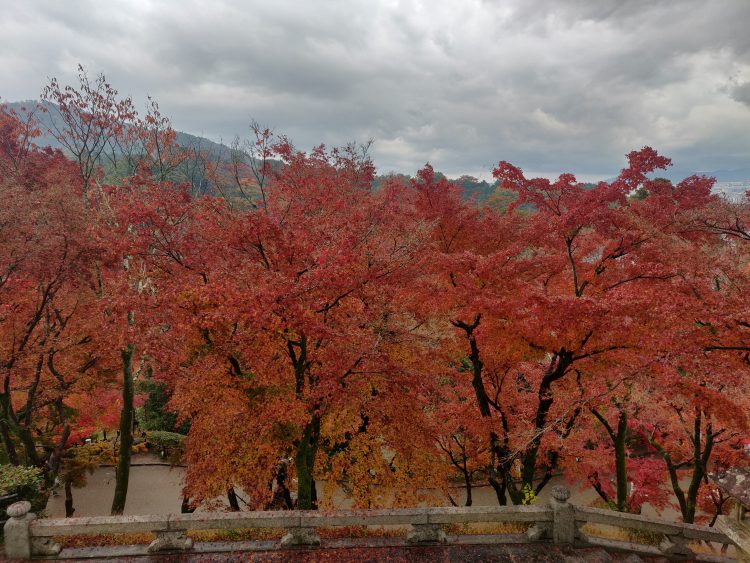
[(619, 442), (232, 498), (621, 462), (282, 496), (305, 464), (688, 500), (29, 446), (185, 508), (467, 480), (122, 473), (11, 424), (69, 510), (10, 448), (500, 488), (52, 466)]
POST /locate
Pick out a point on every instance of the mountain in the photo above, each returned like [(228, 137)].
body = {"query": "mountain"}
[(735, 175), (677, 174), (733, 181), (50, 119)]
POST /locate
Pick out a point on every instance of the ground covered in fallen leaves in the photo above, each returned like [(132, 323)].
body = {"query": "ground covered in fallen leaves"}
[(433, 554)]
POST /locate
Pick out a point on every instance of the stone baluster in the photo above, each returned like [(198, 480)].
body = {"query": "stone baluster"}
[(426, 533), (563, 516), (45, 546), (170, 540), (16, 530), (539, 531), (300, 536), (18, 541), (676, 544), (738, 533)]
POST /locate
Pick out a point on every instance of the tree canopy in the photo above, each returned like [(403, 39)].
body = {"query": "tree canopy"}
[(319, 325)]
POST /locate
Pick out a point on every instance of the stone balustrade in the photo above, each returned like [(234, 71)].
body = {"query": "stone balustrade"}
[(558, 522), (676, 536), (738, 531)]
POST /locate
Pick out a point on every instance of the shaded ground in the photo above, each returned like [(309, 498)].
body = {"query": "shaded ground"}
[(156, 488), (153, 489)]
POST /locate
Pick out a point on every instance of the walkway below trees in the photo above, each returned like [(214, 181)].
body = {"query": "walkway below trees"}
[(156, 489)]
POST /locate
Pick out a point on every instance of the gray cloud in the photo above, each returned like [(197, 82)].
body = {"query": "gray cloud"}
[(741, 93), (551, 86)]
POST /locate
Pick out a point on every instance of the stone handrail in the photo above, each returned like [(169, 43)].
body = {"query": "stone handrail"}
[(645, 524), (677, 536), (738, 531), (558, 521)]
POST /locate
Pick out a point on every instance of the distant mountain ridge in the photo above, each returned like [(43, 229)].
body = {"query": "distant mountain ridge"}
[(48, 119), (735, 175), (738, 178)]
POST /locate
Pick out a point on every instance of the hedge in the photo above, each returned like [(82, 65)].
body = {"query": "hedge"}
[(26, 482), (166, 440)]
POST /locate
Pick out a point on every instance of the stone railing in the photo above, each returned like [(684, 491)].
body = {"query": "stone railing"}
[(738, 531), (558, 522)]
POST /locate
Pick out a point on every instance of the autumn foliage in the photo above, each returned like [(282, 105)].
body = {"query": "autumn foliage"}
[(396, 343)]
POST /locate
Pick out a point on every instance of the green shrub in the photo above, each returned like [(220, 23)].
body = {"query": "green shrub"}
[(166, 440), (154, 415), (26, 482)]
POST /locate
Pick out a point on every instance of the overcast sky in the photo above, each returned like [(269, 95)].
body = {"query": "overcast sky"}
[(551, 86)]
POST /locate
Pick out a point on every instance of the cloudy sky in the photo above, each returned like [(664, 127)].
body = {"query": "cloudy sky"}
[(551, 86)]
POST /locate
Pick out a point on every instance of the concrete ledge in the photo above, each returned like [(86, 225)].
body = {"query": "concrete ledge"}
[(559, 518), (482, 514), (650, 550), (401, 516), (235, 520), (239, 547), (586, 515), (97, 525), (738, 532), (704, 533)]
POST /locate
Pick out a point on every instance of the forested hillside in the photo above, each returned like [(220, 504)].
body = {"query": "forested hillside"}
[(202, 153)]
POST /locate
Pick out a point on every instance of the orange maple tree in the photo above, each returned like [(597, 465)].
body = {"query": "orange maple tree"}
[(311, 327), (46, 350)]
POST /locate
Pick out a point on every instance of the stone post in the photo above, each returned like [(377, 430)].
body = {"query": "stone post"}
[(426, 533), (676, 544), (168, 540), (16, 530), (299, 537), (563, 516), (539, 531)]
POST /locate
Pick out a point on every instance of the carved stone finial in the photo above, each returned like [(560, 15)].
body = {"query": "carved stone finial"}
[(19, 509), (560, 493)]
